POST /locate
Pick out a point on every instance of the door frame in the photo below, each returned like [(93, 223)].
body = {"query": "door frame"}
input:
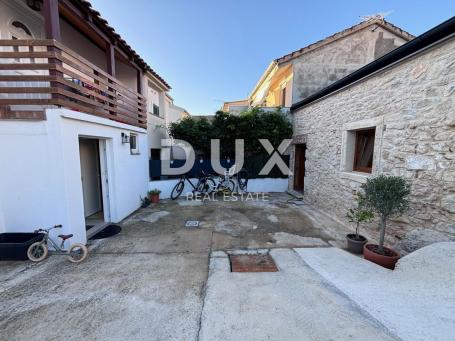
[(104, 171), (299, 173)]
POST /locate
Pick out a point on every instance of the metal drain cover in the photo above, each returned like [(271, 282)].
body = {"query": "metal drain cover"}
[(192, 223), (252, 263)]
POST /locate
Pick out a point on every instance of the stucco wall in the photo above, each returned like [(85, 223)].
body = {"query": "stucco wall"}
[(319, 68), (40, 177), (413, 103)]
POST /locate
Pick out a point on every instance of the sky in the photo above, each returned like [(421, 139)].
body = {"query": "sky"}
[(216, 51)]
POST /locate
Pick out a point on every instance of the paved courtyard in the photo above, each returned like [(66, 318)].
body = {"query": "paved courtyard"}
[(159, 280)]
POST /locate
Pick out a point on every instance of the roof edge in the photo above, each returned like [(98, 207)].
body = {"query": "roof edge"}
[(344, 33)]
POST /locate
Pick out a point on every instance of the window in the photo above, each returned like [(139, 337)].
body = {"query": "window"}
[(19, 31), (364, 148), (134, 148), (156, 110)]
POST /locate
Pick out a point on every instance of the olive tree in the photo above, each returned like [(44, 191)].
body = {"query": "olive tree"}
[(388, 197)]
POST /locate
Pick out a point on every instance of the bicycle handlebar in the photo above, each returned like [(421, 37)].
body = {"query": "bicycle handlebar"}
[(50, 228)]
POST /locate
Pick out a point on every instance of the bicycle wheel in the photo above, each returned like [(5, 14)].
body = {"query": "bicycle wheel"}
[(228, 186), (77, 253), (209, 186), (37, 252), (177, 190), (242, 179)]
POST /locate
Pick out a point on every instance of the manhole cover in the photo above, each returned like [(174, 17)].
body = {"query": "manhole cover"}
[(252, 263), (192, 223)]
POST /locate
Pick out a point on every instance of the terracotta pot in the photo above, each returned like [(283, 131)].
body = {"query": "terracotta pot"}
[(356, 245), (382, 260), (154, 198)]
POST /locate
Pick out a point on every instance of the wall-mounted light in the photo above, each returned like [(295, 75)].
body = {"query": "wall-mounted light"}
[(125, 138)]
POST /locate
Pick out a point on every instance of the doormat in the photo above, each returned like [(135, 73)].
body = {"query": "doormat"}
[(192, 223), (108, 231), (252, 263)]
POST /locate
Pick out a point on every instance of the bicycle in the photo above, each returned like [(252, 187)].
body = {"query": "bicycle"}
[(242, 179), (38, 251), (204, 185), (223, 183)]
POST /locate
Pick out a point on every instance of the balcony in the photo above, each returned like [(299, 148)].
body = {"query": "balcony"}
[(40, 74)]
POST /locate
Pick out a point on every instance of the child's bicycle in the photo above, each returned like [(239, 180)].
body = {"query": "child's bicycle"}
[(38, 251)]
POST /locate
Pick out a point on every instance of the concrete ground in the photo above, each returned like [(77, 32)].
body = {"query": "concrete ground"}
[(158, 280)]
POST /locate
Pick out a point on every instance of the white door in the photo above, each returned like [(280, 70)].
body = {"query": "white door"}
[(89, 154)]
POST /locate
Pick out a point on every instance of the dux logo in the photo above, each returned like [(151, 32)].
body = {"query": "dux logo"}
[(275, 156)]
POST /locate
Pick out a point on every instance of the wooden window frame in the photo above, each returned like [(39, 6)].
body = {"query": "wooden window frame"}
[(370, 132)]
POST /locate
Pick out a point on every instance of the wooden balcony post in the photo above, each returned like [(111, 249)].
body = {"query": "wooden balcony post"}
[(52, 31), (51, 20), (110, 63), (139, 80), (110, 58)]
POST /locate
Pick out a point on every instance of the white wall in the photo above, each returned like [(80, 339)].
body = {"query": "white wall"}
[(266, 185), (40, 180), (16, 10)]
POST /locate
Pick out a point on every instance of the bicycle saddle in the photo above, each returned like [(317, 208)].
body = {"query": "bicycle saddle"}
[(65, 236)]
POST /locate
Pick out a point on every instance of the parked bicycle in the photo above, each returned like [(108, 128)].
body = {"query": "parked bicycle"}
[(205, 184), (39, 251)]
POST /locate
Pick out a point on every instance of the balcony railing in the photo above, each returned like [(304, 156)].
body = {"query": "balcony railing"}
[(38, 74)]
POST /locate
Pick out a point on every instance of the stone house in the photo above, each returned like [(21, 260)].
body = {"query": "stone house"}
[(394, 116), (296, 75)]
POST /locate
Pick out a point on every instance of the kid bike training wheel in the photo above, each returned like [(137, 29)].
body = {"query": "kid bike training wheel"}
[(77, 253), (177, 190), (37, 252)]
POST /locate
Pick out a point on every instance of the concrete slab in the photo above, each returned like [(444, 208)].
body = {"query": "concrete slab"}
[(292, 304), (415, 302), (108, 297), (288, 239)]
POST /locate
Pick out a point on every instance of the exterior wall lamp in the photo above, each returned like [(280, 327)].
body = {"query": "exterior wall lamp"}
[(125, 138)]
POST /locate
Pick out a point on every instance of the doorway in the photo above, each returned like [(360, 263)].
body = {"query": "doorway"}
[(89, 152), (299, 167)]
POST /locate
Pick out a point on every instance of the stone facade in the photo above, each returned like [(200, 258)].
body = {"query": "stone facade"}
[(323, 66), (412, 106)]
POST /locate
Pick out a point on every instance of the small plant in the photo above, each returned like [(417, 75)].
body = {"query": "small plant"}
[(154, 191), (387, 196), (359, 215)]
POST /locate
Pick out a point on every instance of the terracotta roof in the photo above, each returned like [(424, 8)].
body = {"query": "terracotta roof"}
[(378, 21), (88, 6)]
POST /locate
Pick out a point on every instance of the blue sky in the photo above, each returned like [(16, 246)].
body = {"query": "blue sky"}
[(215, 51)]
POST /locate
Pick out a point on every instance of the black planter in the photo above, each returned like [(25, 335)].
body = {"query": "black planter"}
[(356, 245)]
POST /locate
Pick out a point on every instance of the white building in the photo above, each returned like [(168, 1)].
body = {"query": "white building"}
[(75, 105)]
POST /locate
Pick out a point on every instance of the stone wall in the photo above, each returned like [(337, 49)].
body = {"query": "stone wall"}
[(325, 65), (414, 101)]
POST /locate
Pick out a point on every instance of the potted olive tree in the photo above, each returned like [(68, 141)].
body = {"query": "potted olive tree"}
[(358, 215), (388, 197), (154, 195)]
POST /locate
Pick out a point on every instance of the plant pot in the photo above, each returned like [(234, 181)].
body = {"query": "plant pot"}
[(154, 198), (355, 245), (387, 261)]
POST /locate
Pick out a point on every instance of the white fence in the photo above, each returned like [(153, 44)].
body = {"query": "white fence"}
[(267, 185)]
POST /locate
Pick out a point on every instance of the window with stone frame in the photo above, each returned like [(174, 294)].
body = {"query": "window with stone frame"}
[(364, 150)]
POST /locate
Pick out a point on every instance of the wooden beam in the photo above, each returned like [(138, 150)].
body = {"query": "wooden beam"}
[(110, 59), (51, 20), (140, 77)]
